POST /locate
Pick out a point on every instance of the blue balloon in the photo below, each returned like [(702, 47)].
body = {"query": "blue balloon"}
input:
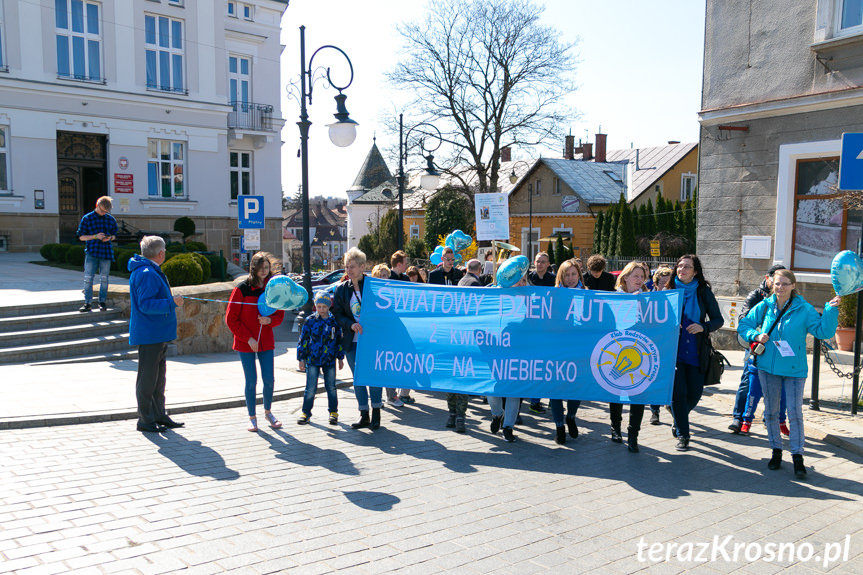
[(436, 256), (458, 241), (846, 272), (263, 308), (284, 293), (511, 271)]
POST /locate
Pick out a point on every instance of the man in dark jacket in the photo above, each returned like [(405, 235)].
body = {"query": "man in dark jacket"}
[(398, 265), (446, 274), (753, 299), (596, 277), (542, 276), (471, 278), (153, 323)]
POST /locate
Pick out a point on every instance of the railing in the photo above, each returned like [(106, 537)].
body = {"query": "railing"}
[(615, 264), (249, 116)]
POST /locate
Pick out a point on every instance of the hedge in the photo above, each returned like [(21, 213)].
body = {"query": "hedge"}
[(58, 252), (46, 251), (183, 271), (75, 255), (202, 261)]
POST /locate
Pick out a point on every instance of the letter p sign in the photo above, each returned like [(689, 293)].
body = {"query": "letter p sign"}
[(251, 212)]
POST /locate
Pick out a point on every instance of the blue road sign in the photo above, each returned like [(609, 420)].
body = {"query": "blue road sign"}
[(851, 162), (250, 212)]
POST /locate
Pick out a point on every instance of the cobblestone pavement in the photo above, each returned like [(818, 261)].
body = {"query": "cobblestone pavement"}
[(414, 497)]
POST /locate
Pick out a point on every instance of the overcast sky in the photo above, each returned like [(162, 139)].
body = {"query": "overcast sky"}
[(639, 76)]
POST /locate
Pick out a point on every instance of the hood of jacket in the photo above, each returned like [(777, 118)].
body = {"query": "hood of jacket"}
[(138, 261)]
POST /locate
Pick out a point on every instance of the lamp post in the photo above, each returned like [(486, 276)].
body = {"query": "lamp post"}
[(428, 181), (513, 178), (342, 134)]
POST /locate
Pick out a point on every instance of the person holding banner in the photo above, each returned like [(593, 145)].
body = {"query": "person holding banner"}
[(253, 335), (661, 279), (780, 324), (631, 281), (701, 316), (568, 276), (382, 272), (347, 304)]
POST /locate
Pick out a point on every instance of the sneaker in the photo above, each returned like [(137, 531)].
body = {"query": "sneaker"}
[(395, 402), (459, 424), (103, 306), (537, 408), (303, 418), (744, 428), (508, 435), (654, 418), (334, 418), (407, 399), (682, 444), (783, 429), (85, 307), (450, 421), (735, 426), (496, 422)]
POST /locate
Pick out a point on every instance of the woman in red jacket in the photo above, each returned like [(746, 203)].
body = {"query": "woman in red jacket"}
[(253, 335)]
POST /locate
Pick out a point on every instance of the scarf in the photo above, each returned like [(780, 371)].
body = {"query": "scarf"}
[(691, 311)]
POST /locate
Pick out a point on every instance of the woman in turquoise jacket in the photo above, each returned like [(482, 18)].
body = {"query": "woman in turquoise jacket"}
[(783, 363)]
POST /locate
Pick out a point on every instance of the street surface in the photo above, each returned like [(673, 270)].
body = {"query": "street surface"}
[(414, 497)]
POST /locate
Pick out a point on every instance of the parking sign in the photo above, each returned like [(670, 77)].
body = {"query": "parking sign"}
[(250, 212)]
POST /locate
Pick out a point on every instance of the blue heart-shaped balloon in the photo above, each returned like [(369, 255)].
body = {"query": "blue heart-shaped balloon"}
[(263, 308), (284, 293), (511, 271), (846, 272), (458, 241), (436, 256)]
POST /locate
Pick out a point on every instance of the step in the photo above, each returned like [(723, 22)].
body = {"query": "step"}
[(40, 308), (63, 333), (109, 356), (65, 349), (58, 319)]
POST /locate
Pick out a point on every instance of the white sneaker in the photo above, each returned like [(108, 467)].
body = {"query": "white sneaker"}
[(395, 402)]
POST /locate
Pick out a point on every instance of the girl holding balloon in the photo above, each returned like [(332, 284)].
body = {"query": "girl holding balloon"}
[(253, 335)]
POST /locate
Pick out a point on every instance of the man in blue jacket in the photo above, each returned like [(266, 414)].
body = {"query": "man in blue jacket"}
[(153, 324)]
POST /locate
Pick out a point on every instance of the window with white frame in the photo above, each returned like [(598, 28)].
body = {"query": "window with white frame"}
[(241, 174), (414, 231), (247, 11), (166, 169), (849, 16), (79, 39), (175, 2), (4, 160), (232, 9), (239, 81), (823, 224), (163, 39), (687, 186)]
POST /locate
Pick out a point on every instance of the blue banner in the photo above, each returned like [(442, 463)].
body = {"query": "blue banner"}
[(554, 343)]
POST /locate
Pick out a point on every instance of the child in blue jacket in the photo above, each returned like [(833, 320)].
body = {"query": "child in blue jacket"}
[(319, 347)]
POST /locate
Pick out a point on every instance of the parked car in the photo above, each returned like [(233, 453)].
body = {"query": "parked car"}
[(327, 279)]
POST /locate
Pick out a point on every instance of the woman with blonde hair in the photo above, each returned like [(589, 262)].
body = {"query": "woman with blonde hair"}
[(568, 276), (253, 335)]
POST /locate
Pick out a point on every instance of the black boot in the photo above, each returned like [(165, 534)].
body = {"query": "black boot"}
[(799, 468), (496, 422), (376, 418), (776, 461), (615, 435), (508, 435), (571, 426), (632, 439), (363, 421), (459, 424), (450, 421), (561, 435)]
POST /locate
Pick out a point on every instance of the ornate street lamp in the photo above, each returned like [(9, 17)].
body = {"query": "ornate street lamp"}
[(428, 181), (342, 133)]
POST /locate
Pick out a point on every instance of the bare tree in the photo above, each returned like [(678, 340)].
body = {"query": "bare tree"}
[(488, 74)]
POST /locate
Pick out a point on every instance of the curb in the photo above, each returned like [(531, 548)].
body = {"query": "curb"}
[(30, 422)]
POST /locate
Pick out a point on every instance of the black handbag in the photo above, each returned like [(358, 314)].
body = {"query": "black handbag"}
[(716, 363)]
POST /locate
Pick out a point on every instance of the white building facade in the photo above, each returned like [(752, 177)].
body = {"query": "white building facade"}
[(169, 106)]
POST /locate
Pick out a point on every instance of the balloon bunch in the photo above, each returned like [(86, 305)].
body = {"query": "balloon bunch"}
[(458, 241), (511, 271), (281, 293)]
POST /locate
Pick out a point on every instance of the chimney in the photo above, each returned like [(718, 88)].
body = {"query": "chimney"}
[(569, 150), (600, 147), (587, 151), (672, 142), (505, 154)]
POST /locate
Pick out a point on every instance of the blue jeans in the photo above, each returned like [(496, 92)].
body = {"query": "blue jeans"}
[(557, 409), (362, 392), (510, 412), (755, 395), (742, 389), (688, 388), (91, 266), (265, 358), (772, 385), (329, 372)]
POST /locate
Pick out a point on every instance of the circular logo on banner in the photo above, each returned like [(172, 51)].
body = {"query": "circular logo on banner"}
[(625, 363)]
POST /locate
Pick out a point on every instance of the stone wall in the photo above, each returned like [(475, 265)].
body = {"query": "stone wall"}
[(200, 324)]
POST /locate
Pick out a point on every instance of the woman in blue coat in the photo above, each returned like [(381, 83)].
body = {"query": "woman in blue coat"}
[(782, 365)]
